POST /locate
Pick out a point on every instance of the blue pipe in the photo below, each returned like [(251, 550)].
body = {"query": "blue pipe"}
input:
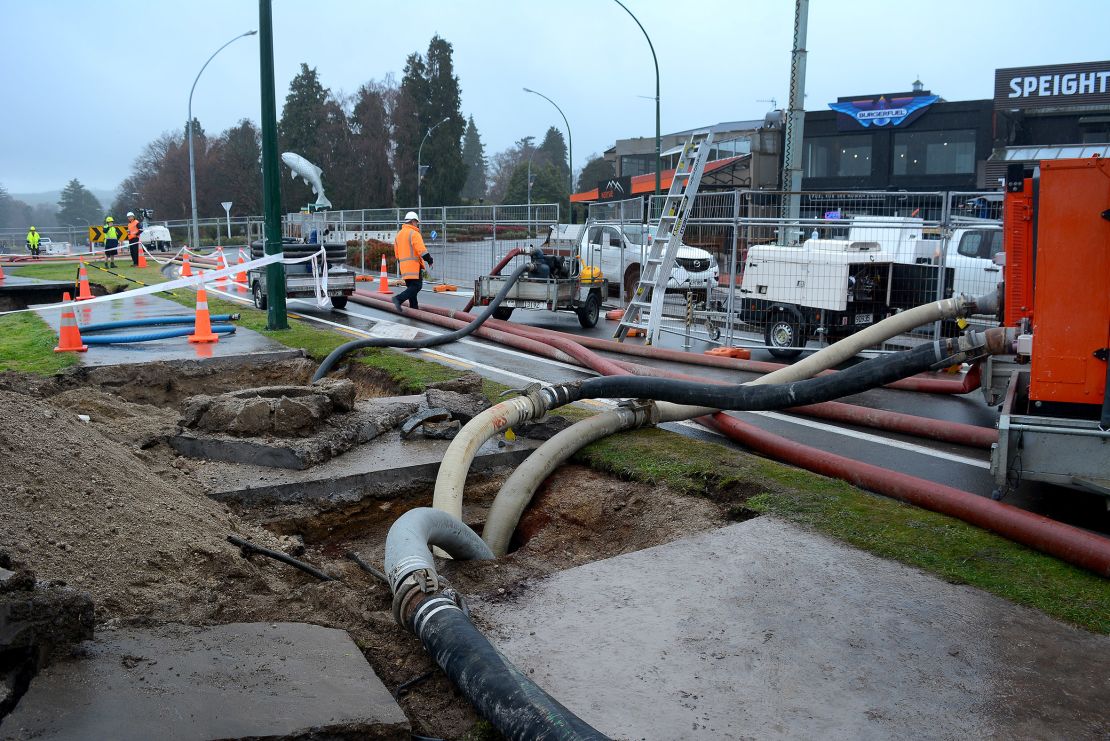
[(165, 334), (152, 322)]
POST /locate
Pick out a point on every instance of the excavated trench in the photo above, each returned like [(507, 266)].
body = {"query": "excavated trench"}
[(134, 489)]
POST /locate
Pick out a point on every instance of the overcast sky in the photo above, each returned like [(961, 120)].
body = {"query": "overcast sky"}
[(91, 83)]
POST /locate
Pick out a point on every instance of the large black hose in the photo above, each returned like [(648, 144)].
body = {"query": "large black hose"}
[(424, 342), (498, 690), (749, 397)]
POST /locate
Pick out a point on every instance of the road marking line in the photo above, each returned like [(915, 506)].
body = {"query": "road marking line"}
[(901, 445)]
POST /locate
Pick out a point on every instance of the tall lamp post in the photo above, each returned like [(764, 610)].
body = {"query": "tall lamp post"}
[(658, 151), (189, 125), (570, 142), (420, 168)]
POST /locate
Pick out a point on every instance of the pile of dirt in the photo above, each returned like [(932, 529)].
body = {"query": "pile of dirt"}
[(84, 508)]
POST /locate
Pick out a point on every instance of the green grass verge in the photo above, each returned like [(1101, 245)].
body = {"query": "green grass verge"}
[(949, 548), (27, 345)]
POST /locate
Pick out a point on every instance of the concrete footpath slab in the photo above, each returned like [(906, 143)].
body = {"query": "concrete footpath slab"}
[(764, 630), (242, 342), (183, 683)]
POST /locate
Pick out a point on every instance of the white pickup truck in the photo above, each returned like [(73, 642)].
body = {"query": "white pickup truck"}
[(47, 246)]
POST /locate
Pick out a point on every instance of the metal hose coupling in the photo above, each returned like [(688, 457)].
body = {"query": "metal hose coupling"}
[(554, 397)]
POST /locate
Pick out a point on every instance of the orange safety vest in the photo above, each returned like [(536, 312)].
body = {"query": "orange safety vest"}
[(408, 249), (133, 229)]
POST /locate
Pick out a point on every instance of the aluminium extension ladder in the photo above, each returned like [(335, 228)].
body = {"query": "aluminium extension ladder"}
[(655, 273)]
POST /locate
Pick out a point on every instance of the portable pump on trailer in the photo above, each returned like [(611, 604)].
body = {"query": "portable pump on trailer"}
[(1055, 417)]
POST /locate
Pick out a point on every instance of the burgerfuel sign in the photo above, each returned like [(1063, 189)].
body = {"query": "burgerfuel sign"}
[(1052, 86)]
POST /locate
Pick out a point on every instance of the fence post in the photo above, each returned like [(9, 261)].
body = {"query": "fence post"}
[(493, 245), (731, 303), (945, 239)]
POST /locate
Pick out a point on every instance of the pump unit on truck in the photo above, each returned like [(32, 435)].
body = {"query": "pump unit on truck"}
[(1055, 416)]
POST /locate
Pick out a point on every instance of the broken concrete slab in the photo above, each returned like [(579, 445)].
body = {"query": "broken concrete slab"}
[(468, 383), (765, 630), (270, 410), (336, 435), (463, 407), (383, 470), (243, 680)]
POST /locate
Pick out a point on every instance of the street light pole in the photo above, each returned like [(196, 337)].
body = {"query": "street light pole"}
[(189, 125), (570, 141), (658, 150), (533, 154), (420, 168)]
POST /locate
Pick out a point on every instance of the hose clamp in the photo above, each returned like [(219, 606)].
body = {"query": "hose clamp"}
[(646, 411), (415, 584)]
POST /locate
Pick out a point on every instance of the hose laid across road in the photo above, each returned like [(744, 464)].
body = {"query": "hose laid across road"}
[(423, 342), (565, 348)]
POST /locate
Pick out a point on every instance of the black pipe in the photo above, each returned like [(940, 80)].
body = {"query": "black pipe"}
[(424, 342), (376, 573), (749, 397), (500, 693), (248, 548)]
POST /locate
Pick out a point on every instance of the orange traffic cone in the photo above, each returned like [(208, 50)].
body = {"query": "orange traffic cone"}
[(202, 330), (241, 276), (186, 271), (383, 281), (221, 264), (1, 273), (142, 257), (69, 338), (84, 293)]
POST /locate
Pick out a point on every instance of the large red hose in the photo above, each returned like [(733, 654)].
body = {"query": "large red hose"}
[(952, 432), (1058, 539), (925, 383), (1079, 547)]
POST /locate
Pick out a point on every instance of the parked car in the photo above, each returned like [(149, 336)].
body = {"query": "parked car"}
[(620, 250)]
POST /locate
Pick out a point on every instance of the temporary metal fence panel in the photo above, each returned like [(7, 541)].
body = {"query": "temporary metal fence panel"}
[(465, 241), (849, 260), (615, 241)]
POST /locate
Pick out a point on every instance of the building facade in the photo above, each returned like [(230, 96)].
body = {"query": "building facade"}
[(897, 141)]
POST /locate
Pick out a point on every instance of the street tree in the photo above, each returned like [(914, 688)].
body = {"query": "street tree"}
[(78, 206), (554, 150), (474, 159), (408, 127), (370, 146)]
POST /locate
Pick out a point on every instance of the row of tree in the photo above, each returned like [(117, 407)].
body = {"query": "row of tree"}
[(368, 145)]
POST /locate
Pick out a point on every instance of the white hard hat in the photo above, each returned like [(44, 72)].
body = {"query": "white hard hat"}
[(411, 215), (130, 214)]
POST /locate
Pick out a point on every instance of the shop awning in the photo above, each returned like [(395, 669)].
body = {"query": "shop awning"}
[(644, 184), (1057, 152)]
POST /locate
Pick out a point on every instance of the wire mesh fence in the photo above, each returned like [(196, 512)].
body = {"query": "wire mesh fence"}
[(794, 269)]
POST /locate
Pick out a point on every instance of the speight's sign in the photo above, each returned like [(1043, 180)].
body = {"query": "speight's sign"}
[(884, 110), (1053, 86)]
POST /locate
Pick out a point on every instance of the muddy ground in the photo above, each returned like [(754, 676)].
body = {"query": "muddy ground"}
[(107, 506)]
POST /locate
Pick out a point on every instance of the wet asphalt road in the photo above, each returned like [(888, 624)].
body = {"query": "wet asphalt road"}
[(953, 465)]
